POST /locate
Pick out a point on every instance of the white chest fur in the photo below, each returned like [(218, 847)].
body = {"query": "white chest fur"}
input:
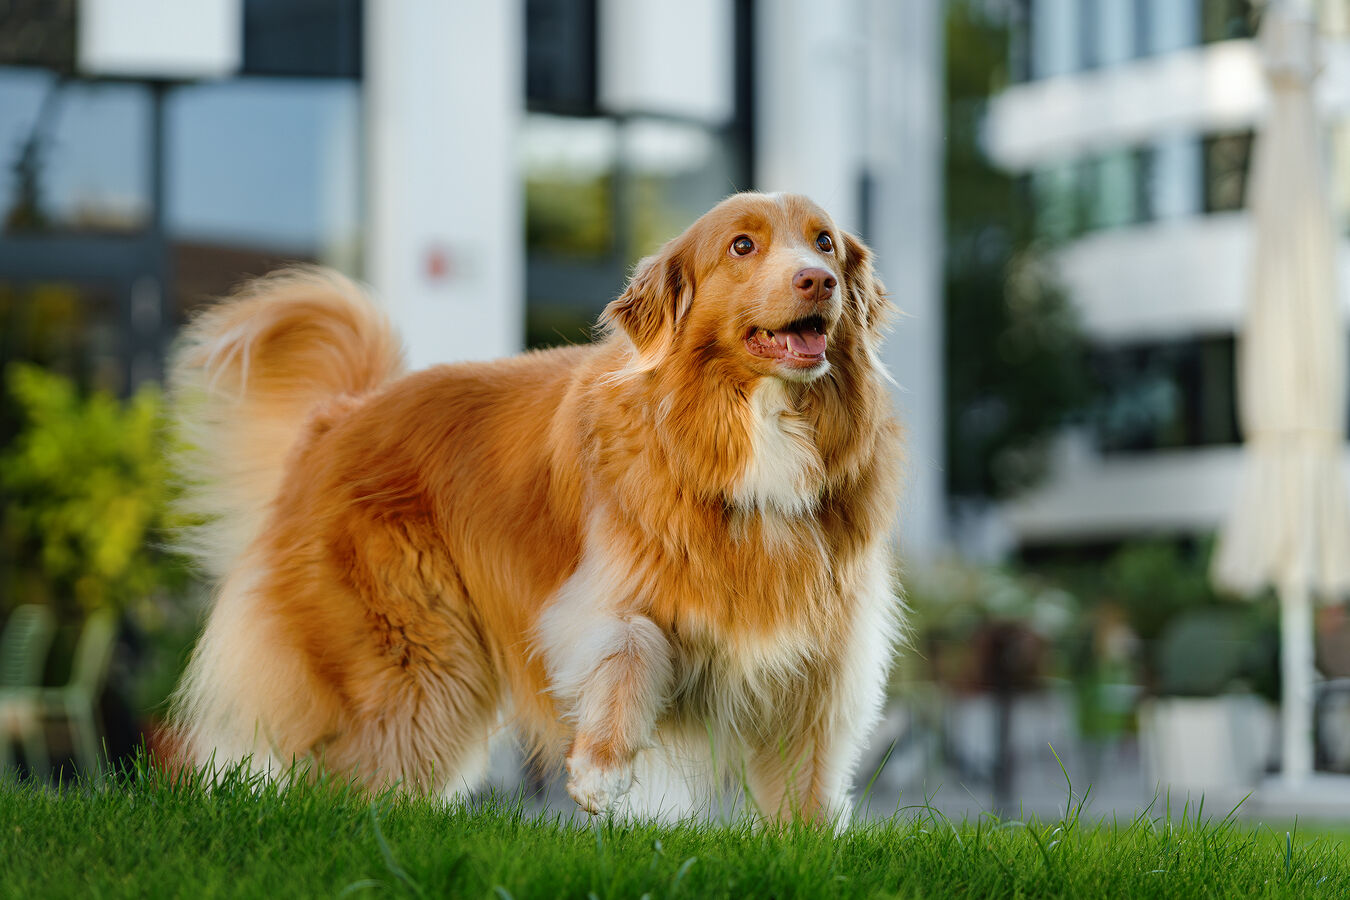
[(784, 468)]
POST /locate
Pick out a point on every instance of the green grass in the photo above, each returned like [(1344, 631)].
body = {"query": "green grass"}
[(140, 835)]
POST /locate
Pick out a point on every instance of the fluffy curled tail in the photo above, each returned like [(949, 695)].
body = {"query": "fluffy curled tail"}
[(245, 376)]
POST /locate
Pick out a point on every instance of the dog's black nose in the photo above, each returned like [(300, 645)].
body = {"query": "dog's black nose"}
[(815, 284)]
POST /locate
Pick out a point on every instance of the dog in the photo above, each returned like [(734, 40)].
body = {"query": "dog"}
[(671, 544)]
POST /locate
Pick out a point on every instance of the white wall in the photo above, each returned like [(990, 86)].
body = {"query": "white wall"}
[(1166, 280), (663, 57), (443, 81), (904, 149), (850, 88), (1095, 498), (809, 134), (1191, 91), (1196, 90), (159, 38)]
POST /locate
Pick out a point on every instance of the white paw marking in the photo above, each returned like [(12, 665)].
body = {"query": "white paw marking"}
[(595, 788)]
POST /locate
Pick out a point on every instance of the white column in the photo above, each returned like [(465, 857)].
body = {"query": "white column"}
[(903, 137), (663, 57), (1296, 670), (444, 245), (808, 101), (1306, 9)]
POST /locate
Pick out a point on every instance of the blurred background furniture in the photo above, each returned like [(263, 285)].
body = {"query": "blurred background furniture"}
[(26, 711), (23, 651)]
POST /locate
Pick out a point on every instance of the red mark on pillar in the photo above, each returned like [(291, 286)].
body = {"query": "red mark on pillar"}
[(438, 264)]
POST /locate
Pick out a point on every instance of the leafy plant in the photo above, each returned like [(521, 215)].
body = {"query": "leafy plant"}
[(87, 489), (956, 609), (1194, 641)]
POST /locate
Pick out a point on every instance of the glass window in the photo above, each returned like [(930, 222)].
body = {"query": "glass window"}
[(38, 33), (679, 171), (1226, 158), (255, 171), (1019, 40), (602, 187), (1114, 37), (1089, 34), (307, 38), (1057, 194), (600, 194), (260, 172), (267, 163), (1172, 24), (1224, 20), (1162, 396), (569, 166), (1144, 161), (1175, 177), (1115, 194), (1055, 37), (76, 154), (1143, 27), (561, 56)]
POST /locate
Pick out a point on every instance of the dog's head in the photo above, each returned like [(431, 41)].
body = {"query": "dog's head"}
[(761, 285)]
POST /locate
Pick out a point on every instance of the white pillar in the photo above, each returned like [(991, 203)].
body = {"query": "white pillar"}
[(1305, 9), (1296, 670), (903, 133), (850, 88), (444, 245), (808, 103)]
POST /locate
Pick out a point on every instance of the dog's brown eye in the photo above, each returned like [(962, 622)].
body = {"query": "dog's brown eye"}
[(742, 246), (824, 243)]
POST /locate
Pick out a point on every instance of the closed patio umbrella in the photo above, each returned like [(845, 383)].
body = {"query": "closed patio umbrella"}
[(1291, 526)]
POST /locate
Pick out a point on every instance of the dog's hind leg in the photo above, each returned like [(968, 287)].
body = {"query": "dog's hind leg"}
[(781, 780), (391, 646), (427, 722), (423, 694)]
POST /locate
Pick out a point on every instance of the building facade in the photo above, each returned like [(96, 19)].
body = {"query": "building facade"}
[(1131, 122), (493, 170)]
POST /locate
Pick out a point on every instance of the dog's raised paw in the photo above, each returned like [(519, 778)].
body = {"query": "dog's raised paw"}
[(596, 788)]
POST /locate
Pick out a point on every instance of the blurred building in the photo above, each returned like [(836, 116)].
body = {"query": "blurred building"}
[(1132, 124), (492, 169)]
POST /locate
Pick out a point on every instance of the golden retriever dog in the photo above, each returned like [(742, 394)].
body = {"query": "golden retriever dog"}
[(672, 544)]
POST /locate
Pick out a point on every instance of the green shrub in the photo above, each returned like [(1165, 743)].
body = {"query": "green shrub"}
[(86, 487)]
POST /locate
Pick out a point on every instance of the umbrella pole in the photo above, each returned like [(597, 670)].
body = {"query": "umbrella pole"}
[(1296, 670)]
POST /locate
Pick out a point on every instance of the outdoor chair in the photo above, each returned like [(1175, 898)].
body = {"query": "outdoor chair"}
[(23, 654), (77, 701)]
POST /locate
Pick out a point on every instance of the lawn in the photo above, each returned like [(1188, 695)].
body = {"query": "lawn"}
[(140, 835)]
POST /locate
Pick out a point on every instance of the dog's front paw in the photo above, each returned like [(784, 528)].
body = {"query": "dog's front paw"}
[(597, 788)]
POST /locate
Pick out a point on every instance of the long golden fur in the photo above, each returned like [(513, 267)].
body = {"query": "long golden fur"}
[(667, 546)]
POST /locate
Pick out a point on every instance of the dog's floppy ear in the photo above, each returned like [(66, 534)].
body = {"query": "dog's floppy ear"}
[(656, 299), (863, 285)]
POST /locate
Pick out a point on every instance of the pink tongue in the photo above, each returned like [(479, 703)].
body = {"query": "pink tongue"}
[(806, 343)]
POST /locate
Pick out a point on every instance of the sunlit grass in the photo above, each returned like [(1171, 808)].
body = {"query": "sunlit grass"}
[(142, 834)]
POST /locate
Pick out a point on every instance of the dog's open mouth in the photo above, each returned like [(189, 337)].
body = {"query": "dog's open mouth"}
[(800, 344)]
